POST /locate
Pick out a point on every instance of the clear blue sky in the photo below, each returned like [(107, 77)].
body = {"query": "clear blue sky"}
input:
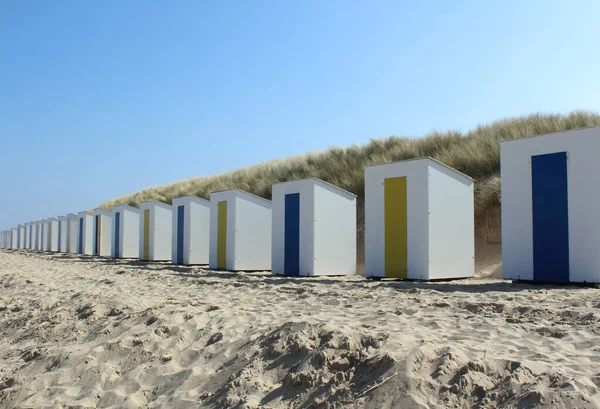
[(100, 99)]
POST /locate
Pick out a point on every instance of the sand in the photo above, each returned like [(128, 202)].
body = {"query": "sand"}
[(85, 333)]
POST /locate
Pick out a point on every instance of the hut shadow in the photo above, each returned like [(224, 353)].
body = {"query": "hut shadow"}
[(472, 285), (478, 286)]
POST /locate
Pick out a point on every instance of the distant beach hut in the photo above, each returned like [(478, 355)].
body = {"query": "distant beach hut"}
[(313, 229), (53, 234), (27, 238), (21, 241), (72, 233), (240, 231), (419, 221), (155, 231), (126, 232), (102, 233), (85, 233), (14, 238), (191, 227), (550, 223), (63, 226), (36, 231), (45, 235)]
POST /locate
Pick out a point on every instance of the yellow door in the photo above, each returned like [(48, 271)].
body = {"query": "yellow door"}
[(395, 222)]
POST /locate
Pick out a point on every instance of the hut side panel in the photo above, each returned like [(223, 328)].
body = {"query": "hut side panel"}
[(335, 232), (451, 224)]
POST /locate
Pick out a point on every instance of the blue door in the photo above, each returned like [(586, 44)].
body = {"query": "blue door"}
[(292, 234), (117, 234), (96, 241), (80, 243), (550, 217), (180, 216)]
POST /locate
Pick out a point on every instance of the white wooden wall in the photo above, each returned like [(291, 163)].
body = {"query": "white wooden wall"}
[(583, 149)]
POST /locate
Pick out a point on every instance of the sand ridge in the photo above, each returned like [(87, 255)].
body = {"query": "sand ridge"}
[(80, 332)]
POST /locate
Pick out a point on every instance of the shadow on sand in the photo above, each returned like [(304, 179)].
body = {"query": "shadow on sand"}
[(473, 285)]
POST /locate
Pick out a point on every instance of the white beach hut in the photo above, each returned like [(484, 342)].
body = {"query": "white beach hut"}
[(35, 235), (72, 233), (419, 221), (102, 233), (550, 222), (21, 243), (52, 234), (85, 233), (155, 231), (63, 233), (26, 241), (313, 229), (45, 235), (240, 231), (14, 238), (191, 228), (126, 232)]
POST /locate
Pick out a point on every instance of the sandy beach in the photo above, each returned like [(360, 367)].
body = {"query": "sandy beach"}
[(84, 333)]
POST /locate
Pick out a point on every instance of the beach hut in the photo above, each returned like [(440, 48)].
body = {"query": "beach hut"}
[(419, 221), (240, 231), (14, 238), (21, 232), (8, 239), (102, 233), (126, 232), (313, 229), (191, 227), (85, 233), (550, 222), (155, 231), (72, 233), (35, 236), (44, 235), (27, 239), (52, 234), (63, 233)]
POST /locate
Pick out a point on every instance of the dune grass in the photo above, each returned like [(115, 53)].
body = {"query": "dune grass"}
[(475, 153)]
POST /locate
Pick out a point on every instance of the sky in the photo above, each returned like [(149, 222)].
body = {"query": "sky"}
[(101, 99)]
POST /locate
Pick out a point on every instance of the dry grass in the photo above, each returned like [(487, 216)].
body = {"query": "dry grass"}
[(476, 153)]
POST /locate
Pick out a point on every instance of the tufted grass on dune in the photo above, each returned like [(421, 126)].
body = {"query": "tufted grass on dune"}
[(475, 153)]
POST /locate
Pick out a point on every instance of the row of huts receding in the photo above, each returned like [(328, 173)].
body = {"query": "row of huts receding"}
[(419, 221)]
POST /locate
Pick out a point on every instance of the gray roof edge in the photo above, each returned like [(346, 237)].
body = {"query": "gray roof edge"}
[(551, 133), (427, 158), (243, 192), (315, 179), (156, 202), (192, 197)]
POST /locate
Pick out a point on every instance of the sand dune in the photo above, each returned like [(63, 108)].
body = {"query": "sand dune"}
[(84, 333)]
